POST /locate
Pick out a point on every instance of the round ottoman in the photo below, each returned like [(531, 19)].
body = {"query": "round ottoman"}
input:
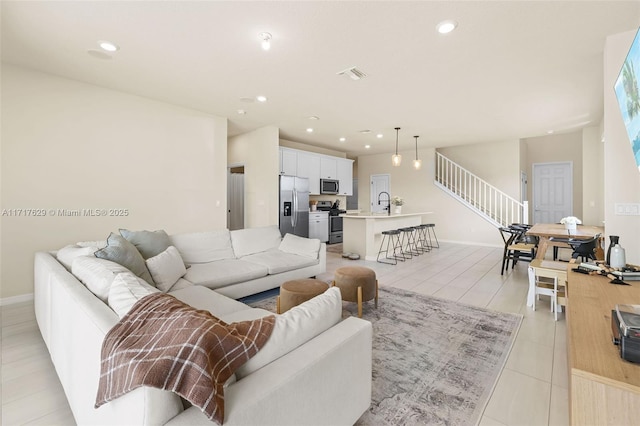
[(357, 284), (294, 292)]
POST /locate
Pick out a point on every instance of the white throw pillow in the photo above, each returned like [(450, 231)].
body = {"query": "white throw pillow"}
[(203, 247), (97, 274), (296, 327), (67, 254), (166, 268), (255, 240), (307, 247), (126, 290)]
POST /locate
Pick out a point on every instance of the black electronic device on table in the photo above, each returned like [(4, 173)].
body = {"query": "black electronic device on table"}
[(625, 325)]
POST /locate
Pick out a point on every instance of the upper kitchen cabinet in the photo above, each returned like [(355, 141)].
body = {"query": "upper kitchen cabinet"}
[(345, 175), (288, 162), (309, 167), (328, 167)]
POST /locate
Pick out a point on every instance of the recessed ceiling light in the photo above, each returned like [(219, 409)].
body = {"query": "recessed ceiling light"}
[(367, 146), (261, 98), (379, 136), (549, 132), (342, 139), (365, 131), (314, 117), (107, 46), (265, 39), (242, 112), (446, 27), (309, 130)]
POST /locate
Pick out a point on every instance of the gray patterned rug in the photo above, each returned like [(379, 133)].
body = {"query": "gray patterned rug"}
[(435, 362)]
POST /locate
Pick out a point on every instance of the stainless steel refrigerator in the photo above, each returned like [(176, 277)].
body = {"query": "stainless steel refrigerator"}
[(294, 205)]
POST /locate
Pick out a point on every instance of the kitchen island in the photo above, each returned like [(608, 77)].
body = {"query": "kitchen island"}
[(362, 232)]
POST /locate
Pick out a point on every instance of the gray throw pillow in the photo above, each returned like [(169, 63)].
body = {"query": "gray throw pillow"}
[(122, 252), (148, 243)]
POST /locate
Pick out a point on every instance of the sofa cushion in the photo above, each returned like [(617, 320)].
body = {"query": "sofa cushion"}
[(97, 274), (180, 284), (296, 327), (166, 268), (203, 247), (224, 272), (255, 240), (307, 247), (67, 254), (121, 251), (204, 298), (148, 243), (277, 261), (126, 290)]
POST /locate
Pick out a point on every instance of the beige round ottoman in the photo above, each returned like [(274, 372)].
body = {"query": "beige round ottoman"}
[(357, 284), (294, 292)]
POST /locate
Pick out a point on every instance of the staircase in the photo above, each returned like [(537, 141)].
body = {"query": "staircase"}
[(484, 199)]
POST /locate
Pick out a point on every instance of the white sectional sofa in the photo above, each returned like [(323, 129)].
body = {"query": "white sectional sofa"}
[(315, 369)]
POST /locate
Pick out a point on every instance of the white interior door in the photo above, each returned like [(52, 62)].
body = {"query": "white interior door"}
[(379, 185), (552, 191)]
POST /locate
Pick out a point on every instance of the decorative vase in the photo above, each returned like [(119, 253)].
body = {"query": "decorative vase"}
[(618, 258), (614, 239), (397, 210), (570, 226)]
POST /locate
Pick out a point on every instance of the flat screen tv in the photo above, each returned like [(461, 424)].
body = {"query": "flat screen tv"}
[(628, 95)]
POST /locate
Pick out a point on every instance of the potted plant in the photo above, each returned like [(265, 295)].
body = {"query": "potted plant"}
[(397, 202), (570, 222)]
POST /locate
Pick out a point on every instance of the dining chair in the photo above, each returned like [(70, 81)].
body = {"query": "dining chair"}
[(586, 249), (549, 282), (516, 247)]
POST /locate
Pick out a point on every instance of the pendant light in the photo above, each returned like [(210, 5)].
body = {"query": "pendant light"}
[(396, 159), (417, 163)]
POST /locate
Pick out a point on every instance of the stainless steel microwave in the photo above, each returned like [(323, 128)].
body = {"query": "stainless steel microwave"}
[(329, 186)]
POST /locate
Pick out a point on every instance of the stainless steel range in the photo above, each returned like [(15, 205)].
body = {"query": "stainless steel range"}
[(335, 221)]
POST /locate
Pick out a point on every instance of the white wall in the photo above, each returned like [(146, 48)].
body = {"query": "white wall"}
[(258, 151), (592, 176), (69, 145), (454, 222), (622, 178)]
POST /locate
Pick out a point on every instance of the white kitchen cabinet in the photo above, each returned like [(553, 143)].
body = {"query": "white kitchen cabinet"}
[(319, 225), (345, 175), (288, 162), (309, 167), (328, 167)]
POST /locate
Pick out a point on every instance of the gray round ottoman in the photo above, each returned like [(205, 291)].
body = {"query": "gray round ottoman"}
[(295, 292), (357, 284)]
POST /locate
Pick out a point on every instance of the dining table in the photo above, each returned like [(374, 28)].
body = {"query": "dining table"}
[(545, 231)]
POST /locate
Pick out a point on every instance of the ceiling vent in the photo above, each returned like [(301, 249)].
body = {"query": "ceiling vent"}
[(353, 73)]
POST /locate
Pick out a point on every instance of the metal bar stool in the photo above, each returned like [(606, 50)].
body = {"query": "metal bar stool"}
[(431, 227), (421, 238), (407, 242), (392, 238)]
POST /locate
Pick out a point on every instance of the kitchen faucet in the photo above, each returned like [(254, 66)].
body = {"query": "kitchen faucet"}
[(388, 208)]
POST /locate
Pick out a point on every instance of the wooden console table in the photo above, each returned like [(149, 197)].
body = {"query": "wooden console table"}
[(604, 389)]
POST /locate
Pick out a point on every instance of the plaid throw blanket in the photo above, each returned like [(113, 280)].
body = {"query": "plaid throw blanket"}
[(166, 344)]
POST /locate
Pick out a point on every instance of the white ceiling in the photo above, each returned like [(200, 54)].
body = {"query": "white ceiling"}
[(510, 70)]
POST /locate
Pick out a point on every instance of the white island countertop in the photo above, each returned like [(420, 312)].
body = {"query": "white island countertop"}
[(370, 215), (362, 231)]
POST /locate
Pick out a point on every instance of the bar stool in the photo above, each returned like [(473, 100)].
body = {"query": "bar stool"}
[(408, 242), (421, 238), (393, 239), (431, 227)]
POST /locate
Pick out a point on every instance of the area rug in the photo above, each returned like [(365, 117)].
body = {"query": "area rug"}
[(435, 362)]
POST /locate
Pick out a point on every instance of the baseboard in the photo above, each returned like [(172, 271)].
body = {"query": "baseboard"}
[(5, 301)]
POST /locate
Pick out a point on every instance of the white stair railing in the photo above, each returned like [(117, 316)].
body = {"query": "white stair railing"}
[(485, 199)]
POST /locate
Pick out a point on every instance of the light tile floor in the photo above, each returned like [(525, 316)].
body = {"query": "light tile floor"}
[(532, 390)]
